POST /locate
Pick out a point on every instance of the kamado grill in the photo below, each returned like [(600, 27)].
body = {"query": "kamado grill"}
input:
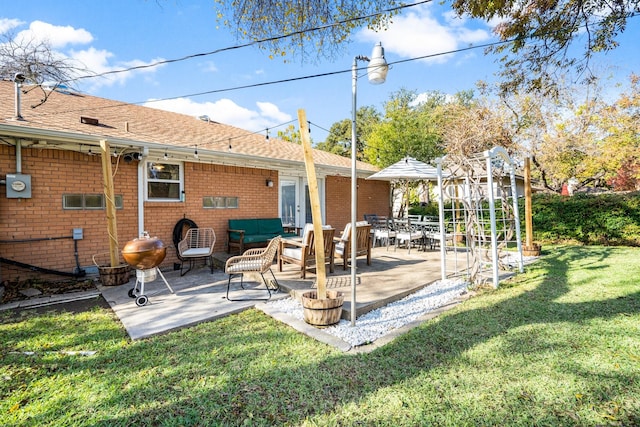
[(145, 255)]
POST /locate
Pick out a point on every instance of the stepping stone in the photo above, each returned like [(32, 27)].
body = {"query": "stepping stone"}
[(30, 292)]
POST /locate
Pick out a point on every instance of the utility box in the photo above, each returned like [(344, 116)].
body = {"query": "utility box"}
[(77, 234), (18, 186)]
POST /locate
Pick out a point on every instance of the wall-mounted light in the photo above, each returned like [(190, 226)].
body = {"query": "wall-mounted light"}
[(269, 182)]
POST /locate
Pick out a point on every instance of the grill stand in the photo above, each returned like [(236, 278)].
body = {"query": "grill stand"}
[(138, 293)]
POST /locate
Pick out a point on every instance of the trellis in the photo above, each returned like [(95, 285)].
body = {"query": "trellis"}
[(478, 203)]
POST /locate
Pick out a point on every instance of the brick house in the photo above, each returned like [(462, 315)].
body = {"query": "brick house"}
[(165, 167)]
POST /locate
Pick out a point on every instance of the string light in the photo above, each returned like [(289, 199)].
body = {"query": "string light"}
[(166, 156), (229, 144), (267, 137), (195, 153)]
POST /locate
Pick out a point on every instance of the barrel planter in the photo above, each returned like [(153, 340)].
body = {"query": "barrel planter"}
[(114, 276), (322, 312), (533, 250)]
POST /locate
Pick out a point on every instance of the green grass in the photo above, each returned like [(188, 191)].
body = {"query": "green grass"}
[(557, 345)]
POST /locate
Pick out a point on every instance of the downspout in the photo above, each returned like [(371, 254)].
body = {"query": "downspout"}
[(18, 156), (141, 171), (18, 79)]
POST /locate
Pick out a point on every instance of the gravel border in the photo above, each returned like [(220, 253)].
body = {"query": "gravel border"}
[(382, 321)]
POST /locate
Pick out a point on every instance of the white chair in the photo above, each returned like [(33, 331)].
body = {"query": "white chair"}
[(383, 231), (407, 234), (197, 243)]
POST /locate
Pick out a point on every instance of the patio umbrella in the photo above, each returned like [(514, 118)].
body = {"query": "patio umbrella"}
[(407, 170)]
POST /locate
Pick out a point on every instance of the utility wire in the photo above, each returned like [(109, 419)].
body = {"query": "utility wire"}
[(255, 42)]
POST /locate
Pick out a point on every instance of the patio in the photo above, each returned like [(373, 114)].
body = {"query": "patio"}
[(200, 296)]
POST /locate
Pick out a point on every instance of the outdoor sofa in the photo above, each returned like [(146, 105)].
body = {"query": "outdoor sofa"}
[(255, 233)]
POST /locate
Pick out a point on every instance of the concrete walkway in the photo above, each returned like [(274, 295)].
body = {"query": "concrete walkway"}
[(201, 296)]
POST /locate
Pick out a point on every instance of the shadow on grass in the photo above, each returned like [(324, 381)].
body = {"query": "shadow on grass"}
[(251, 369)]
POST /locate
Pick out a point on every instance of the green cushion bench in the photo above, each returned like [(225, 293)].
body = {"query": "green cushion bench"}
[(254, 233)]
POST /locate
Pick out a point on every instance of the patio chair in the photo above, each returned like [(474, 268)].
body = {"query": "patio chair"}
[(197, 243), (257, 260), (383, 231), (303, 252), (363, 243), (407, 233)]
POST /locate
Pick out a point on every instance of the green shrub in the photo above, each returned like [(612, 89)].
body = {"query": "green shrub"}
[(605, 219)]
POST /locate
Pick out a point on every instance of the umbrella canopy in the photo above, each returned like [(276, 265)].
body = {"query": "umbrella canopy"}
[(407, 169)]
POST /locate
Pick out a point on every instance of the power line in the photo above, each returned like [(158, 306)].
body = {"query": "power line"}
[(256, 42)]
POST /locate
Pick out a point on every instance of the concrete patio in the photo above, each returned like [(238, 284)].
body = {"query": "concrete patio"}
[(201, 296)]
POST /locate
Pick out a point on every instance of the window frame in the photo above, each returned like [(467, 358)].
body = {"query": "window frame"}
[(179, 181)]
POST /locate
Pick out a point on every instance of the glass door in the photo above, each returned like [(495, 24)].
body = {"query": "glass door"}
[(295, 206), (289, 201)]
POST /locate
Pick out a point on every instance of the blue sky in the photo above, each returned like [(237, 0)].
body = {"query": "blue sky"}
[(118, 34)]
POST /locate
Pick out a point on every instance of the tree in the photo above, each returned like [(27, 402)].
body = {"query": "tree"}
[(409, 128), (542, 32), (291, 134), (37, 62), (538, 34), (310, 30), (339, 139)]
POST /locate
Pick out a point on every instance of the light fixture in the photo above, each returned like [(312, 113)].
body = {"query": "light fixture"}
[(377, 71), (166, 156), (195, 153), (115, 153), (269, 182), (229, 144), (378, 67), (267, 137)]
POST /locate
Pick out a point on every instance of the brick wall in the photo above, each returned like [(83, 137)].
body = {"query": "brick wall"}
[(56, 172), (373, 198)]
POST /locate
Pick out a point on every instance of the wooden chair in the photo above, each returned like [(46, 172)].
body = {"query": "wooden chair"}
[(197, 243), (303, 253), (257, 260), (363, 243)]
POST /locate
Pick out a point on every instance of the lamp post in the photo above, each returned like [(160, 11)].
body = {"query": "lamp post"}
[(377, 72)]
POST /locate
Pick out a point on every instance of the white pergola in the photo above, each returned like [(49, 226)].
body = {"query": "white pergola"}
[(481, 209)]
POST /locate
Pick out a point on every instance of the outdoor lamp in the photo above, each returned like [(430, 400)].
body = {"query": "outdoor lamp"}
[(377, 71), (378, 67)]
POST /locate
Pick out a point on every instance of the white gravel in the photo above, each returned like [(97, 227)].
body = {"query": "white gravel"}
[(380, 322)]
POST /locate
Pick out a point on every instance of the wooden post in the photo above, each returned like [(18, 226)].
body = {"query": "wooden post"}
[(527, 204), (530, 248), (314, 198), (107, 179)]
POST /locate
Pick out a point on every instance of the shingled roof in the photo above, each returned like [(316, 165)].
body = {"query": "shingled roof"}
[(68, 118)]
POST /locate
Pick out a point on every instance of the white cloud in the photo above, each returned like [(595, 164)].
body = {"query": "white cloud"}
[(209, 67), (57, 36), (228, 112), (420, 33), (97, 61), (7, 24)]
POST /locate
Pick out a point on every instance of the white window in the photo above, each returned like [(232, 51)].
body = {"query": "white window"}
[(164, 181)]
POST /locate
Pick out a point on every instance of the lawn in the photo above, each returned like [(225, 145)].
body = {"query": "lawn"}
[(557, 345)]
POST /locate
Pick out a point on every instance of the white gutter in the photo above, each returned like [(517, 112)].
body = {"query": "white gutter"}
[(219, 157)]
